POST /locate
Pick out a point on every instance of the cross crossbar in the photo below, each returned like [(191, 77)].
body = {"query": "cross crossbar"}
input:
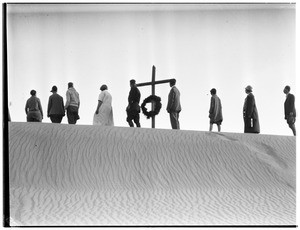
[(154, 83)]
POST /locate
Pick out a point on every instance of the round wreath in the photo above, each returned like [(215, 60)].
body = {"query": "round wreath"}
[(157, 106)]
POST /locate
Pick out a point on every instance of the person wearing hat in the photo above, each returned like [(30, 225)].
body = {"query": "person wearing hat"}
[(104, 111), (289, 109), (133, 109), (72, 104), (56, 109), (174, 106), (251, 121), (215, 111), (33, 108)]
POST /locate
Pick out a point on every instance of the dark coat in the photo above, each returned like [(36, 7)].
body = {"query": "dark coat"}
[(289, 106), (134, 100), (215, 111), (250, 113), (174, 101), (56, 105)]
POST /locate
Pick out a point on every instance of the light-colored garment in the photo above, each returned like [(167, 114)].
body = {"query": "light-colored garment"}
[(105, 115), (72, 98)]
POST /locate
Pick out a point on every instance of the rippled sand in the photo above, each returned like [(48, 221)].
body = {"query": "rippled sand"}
[(93, 175)]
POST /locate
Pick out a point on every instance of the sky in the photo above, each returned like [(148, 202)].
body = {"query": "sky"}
[(202, 46)]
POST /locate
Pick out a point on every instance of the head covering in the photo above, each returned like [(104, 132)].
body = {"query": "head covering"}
[(213, 91), (54, 89), (132, 81), (249, 88), (33, 92), (288, 88), (70, 84), (173, 81), (103, 87)]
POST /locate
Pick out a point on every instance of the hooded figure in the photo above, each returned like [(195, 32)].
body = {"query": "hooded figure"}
[(250, 113)]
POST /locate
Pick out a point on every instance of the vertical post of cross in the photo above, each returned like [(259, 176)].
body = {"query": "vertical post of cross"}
[(153, 93)]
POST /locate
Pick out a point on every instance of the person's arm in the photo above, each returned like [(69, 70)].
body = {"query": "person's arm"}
[(291, 105), (49, 107), (98, 107), (212, 107), (68, 100), (78, 102), (26, 107), (63, 106), (40, 107)]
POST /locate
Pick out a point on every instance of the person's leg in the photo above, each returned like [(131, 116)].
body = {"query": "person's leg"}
[(247, 125), (293, 128), (210, 127), (52, 118), (70, 116), (174, 120), (59, 118), (177, 119), (72, 113), (56, 118), (137, 120), (129, 119), (219, 127)]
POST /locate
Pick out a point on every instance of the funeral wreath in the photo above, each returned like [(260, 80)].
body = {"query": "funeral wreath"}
[(157, 106)]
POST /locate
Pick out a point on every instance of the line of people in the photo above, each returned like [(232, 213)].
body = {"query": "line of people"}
[(250, 113), (56, 108), (104, 112)]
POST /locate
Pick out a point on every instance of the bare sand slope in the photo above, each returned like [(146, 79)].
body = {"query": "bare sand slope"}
[(93, 175)]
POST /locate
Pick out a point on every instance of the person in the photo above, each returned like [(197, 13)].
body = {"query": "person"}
[(72, 104), (56, 109), (215, 111), (33, 108), (251, 120), (133, 109), (174, 107), (104, 112), (289, 109)]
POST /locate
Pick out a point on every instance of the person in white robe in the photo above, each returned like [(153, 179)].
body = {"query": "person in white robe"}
[(104, 111)]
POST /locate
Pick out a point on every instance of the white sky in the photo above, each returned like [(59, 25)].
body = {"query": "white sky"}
[(222, 46)]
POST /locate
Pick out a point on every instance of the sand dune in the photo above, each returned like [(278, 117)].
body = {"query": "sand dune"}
[(93, 175)]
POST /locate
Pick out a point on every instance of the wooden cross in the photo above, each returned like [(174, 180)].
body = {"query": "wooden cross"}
[(153, 83)]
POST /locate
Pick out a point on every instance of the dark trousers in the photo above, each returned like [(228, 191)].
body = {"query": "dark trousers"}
[(135, 116), (174, 116), (72, 114), (56, 118)]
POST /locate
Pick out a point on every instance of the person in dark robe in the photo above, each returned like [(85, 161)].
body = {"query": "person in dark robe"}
[(215, 111), (133, 109), (251, 120), (289, 109)]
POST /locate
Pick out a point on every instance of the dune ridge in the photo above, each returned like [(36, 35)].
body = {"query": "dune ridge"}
[(95, 175)]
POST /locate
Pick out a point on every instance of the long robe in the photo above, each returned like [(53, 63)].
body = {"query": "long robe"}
[(215, 111), (251, 120), (105, 115)]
